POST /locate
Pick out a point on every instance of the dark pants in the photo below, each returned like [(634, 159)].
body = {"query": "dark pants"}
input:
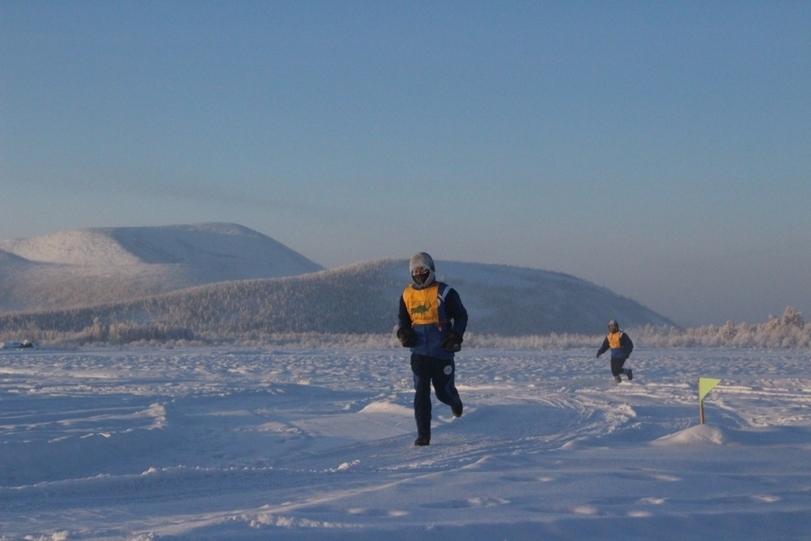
[(616, 366), (440, 373)]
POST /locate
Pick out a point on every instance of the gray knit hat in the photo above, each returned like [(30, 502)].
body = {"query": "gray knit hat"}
[(421, 259)]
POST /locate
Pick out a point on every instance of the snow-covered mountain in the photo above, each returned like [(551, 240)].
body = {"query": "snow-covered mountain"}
[(355, 299), (103, 265)]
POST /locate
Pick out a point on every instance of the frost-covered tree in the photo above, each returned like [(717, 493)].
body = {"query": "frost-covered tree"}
[(728, 331), (793, 318)]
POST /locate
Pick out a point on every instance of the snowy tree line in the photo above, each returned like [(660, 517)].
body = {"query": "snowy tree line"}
[(788, 331)]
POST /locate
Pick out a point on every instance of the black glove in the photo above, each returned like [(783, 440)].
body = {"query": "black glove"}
[(452, 343), (406, 337)]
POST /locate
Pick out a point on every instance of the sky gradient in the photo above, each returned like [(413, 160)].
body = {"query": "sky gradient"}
[(660, 149)]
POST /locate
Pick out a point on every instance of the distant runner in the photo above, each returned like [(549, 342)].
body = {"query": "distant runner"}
[(621, 347)]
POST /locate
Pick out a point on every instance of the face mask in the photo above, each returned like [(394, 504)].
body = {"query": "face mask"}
[(421, 278)]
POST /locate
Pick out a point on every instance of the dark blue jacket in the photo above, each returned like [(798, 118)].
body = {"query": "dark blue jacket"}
[(622, 352), (429, 337)]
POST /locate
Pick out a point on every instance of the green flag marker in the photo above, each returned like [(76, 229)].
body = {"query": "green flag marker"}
[(705, 385)]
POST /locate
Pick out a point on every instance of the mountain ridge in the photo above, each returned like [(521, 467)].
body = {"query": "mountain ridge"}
[(357, 298), (71, 269)]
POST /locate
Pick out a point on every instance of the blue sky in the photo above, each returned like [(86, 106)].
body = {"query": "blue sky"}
[(660, 149)]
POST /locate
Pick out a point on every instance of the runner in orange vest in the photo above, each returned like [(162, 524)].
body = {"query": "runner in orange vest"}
[(432, 321), (621, 347)]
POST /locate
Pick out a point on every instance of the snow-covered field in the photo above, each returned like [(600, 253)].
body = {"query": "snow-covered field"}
[(317, 444)]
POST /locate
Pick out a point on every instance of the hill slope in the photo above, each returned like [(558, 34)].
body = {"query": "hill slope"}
[(363, 298), (103, 265)]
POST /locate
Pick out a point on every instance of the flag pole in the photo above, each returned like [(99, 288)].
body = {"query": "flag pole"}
[(700, 405), (705, 385)]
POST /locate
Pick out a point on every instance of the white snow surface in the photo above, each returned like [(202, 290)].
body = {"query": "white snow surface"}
[(312, 444)]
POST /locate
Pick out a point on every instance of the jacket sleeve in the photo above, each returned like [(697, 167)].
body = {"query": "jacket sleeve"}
[(604, 347), (455, 310), (403, 319), (627, 343)]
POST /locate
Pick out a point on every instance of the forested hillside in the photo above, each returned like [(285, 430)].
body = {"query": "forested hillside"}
[(356, 299)]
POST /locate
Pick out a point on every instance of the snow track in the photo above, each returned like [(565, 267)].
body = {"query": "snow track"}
[(224, 443)]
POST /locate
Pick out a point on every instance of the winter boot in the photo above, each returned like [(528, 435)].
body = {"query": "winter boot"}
[(629, 373), (617, 379), (457, 410), (422, 441)]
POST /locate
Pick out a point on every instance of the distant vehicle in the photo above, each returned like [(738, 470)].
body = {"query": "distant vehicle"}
[(16, 345)]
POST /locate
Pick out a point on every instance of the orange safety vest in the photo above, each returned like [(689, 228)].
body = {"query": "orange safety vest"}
[(614, 339), (426, 306)]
